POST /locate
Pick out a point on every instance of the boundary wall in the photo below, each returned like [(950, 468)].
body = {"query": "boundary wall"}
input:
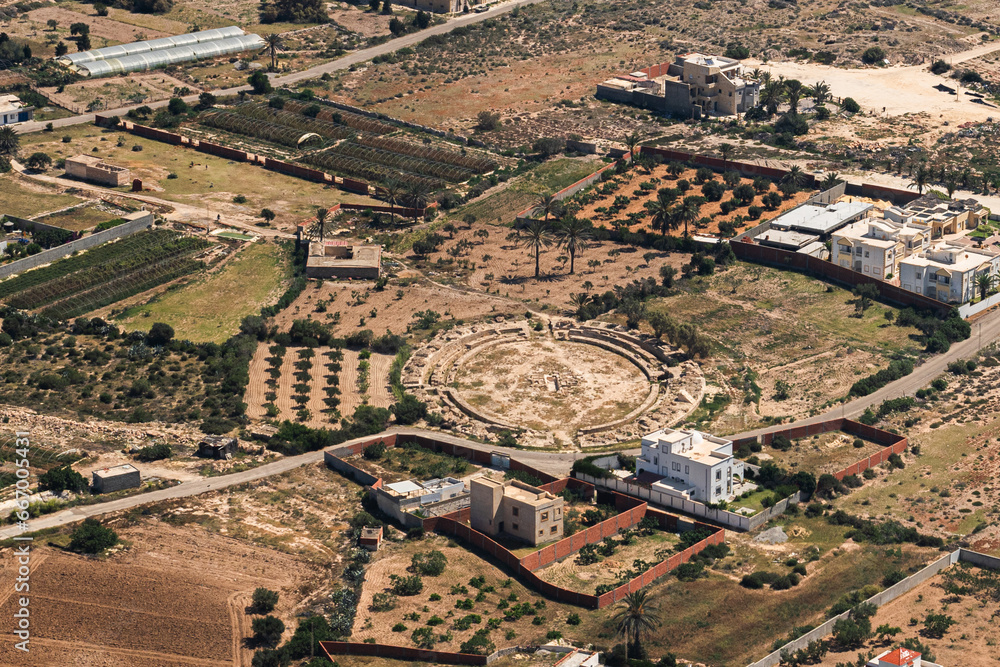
[(884, 597), (140, 223), (749, 251), (894, 444), (287, 168), (631, 512)]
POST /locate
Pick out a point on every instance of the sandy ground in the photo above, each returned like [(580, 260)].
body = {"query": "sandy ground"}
[(552, 385), (101, 28), (968, 643), (899, 90), (116, 91), (176, 596)]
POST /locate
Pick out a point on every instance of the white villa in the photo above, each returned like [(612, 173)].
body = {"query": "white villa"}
[(947, 272), (690, 464), (876, 247)]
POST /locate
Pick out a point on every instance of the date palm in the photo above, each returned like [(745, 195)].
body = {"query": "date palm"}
[(391, 192), (536, 237), (416, 197), (661, 212), (688, 211), (10, 141), (318, 228), (793, 92), (273, 43), (631, 141), (984, 283), (545, 205), (921, 178), (795, 176), (952, 181), (820, 92), (726, 150), (832, 179), (574, 235), (636, 617), (770, 96)]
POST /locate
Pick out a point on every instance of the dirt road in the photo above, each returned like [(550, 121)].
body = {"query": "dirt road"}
[(555, 463), (180, 213), (313, 72)]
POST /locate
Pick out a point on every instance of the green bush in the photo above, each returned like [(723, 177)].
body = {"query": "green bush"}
[(263, 600), (92, 538)]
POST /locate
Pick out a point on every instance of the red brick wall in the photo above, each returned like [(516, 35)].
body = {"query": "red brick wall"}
[(222, 151)]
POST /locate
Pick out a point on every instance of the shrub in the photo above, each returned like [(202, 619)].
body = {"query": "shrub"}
[(573, 619), (92, 538), (850, 106), (263, 600), (63, 478), (399, 627), (155, 452), (267, 630), (374, 452), (406, 586), (431, 563)]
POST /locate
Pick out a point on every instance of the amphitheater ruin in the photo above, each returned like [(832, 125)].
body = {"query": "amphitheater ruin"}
[(562, 385)]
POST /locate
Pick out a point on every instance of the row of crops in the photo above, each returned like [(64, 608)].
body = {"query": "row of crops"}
[(77, 285), (358, 148)]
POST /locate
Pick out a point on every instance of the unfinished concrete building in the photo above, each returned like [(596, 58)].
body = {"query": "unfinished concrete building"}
[(690, 87), (340, 259), (517, 509), (88, 168), (117, 478)]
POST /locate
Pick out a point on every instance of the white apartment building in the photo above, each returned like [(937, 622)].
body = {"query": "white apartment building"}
[(690, 464), (876, 247), (947, 272)]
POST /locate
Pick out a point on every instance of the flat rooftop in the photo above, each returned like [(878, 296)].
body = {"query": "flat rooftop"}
[(819, 219), (361, 256), (703, 446), (785, 237), (124, 469)]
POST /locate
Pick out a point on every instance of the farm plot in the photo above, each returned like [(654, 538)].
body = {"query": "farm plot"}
[(726, 206), (78, 285), (364, 382), (826, 453), (80, 218)]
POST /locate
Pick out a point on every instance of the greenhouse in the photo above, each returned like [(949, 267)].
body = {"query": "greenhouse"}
[(150, 54)]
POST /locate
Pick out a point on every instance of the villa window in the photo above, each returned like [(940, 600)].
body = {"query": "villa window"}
[(718, 475), (867, 254), (656, 460), (554, 529), (514, 511), (718, 490), (514, 527), (545, 516), (687, 470), (676, 466), (541, 533), (845, 249)]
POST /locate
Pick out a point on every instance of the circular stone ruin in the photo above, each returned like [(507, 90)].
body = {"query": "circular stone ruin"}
[(567, 384)]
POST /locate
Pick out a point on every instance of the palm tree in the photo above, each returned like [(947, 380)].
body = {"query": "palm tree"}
[(688, 211), (765, 77), (272, 44), (573, 234), (770, 96), (631, 141), (579, 300), (951, 182), (820, 92), (661, 214), (416, 195), (795, 176), (636, 616), (318, 228), (984, 283), (832, 179), (536, 236), (756, 73), (544, 205), (793, 91), (727, 152), (391, 191), (10, 141), (921, 178)]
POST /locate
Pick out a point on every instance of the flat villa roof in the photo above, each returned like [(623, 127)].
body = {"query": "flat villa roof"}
[(404, 487), (115, 471), (786, 238), (703, 448), (820, 219)]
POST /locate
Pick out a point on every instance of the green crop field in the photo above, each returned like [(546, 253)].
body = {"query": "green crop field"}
[(209, 308)]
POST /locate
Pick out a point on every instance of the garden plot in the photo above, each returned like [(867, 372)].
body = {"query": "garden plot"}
[(81, 218), (470, 594), (131, 89), (826, 453), (411, 461), (622, 201)]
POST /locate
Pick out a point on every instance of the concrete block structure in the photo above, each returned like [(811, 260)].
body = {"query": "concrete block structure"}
[(88, 168), (517, 509), (690, 464), (12, 110), (690, 87), (218, 447), (822, 219), (117, 478), (339, 259), (371, 538), (409, 496)]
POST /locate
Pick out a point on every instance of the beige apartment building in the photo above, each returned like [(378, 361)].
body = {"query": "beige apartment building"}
[(516, 509)]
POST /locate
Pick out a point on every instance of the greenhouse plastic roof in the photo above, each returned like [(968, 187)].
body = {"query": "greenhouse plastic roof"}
[(139, 56)]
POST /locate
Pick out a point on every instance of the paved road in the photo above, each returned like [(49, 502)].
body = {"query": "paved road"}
[(355, 58), (556, 463)]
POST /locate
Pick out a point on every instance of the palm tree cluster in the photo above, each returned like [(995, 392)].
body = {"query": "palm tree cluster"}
[(568, 232), (774, 91), (665, 216)]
